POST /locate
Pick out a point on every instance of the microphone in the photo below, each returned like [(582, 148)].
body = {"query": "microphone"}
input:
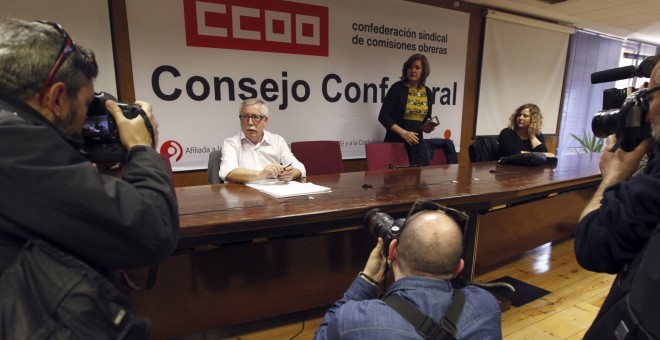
[(643, 70), (613, 74)]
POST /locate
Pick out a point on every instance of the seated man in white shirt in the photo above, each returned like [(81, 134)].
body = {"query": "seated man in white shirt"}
[(256, 154)]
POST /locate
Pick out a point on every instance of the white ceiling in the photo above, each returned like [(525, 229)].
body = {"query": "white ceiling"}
[(637, 20)]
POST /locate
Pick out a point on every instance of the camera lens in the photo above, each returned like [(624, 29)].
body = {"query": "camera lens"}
[(604, 123), (378, 222)]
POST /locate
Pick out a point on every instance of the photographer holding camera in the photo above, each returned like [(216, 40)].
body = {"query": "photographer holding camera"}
[(425, 254), (51, 193), (624, 212)]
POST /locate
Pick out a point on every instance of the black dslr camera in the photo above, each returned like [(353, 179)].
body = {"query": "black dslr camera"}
[(384, 226), (101, 143), (623, 115)]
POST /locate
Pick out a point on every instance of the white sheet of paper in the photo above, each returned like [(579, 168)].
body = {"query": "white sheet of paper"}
[(288, 189)]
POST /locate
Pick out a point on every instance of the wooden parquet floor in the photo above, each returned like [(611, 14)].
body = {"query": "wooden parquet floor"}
[(566, 313)]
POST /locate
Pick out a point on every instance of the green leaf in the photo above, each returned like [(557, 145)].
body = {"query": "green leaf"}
[(589, 142)]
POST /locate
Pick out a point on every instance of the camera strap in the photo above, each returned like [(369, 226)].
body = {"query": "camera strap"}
[(150, 128), (425, 326), (617, 145)]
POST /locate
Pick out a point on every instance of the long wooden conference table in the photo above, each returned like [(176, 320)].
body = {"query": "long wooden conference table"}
[(244, 255)]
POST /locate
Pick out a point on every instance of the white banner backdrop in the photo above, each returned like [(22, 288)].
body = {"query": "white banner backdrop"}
[(323, 67)]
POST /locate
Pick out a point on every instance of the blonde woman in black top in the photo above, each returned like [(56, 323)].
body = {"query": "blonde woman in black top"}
[(524, 132)]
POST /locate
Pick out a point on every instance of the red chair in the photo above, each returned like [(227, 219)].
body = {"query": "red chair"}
[(439, 157), (319, 157), (386, 155)]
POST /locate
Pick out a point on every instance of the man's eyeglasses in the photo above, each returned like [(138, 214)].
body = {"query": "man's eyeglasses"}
[(66, 49), (255, 118), (646, 92), (420, 205)]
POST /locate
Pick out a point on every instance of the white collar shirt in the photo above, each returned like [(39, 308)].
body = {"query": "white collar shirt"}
[(239, 152)]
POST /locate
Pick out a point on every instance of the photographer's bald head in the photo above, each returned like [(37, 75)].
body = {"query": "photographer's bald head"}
[(430, 245)]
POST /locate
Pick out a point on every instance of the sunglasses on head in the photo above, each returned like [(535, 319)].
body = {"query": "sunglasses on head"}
[(421, 205), (66, 49)]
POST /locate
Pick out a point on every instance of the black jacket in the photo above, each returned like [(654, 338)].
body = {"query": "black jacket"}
[(610, 237), (50, 191)]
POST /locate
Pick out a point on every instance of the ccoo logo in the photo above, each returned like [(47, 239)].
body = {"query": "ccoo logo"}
[(262, 25), (172, 148)]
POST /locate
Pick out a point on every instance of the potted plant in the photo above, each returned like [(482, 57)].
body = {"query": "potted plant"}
[(589, 142)]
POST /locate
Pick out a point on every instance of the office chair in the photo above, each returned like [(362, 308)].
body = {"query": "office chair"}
[(484, 149), (319, 157), (439, 151), (213, 170), (386, 155), (439, 156)]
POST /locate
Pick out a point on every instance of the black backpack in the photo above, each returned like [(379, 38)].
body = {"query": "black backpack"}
[(50, 294), (632, 308)]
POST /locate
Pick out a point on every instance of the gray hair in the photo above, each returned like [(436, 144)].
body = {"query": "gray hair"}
[(28, 52), (254, 101)]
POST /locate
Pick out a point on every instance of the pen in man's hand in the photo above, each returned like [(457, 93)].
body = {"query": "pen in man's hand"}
[(286, 167)]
